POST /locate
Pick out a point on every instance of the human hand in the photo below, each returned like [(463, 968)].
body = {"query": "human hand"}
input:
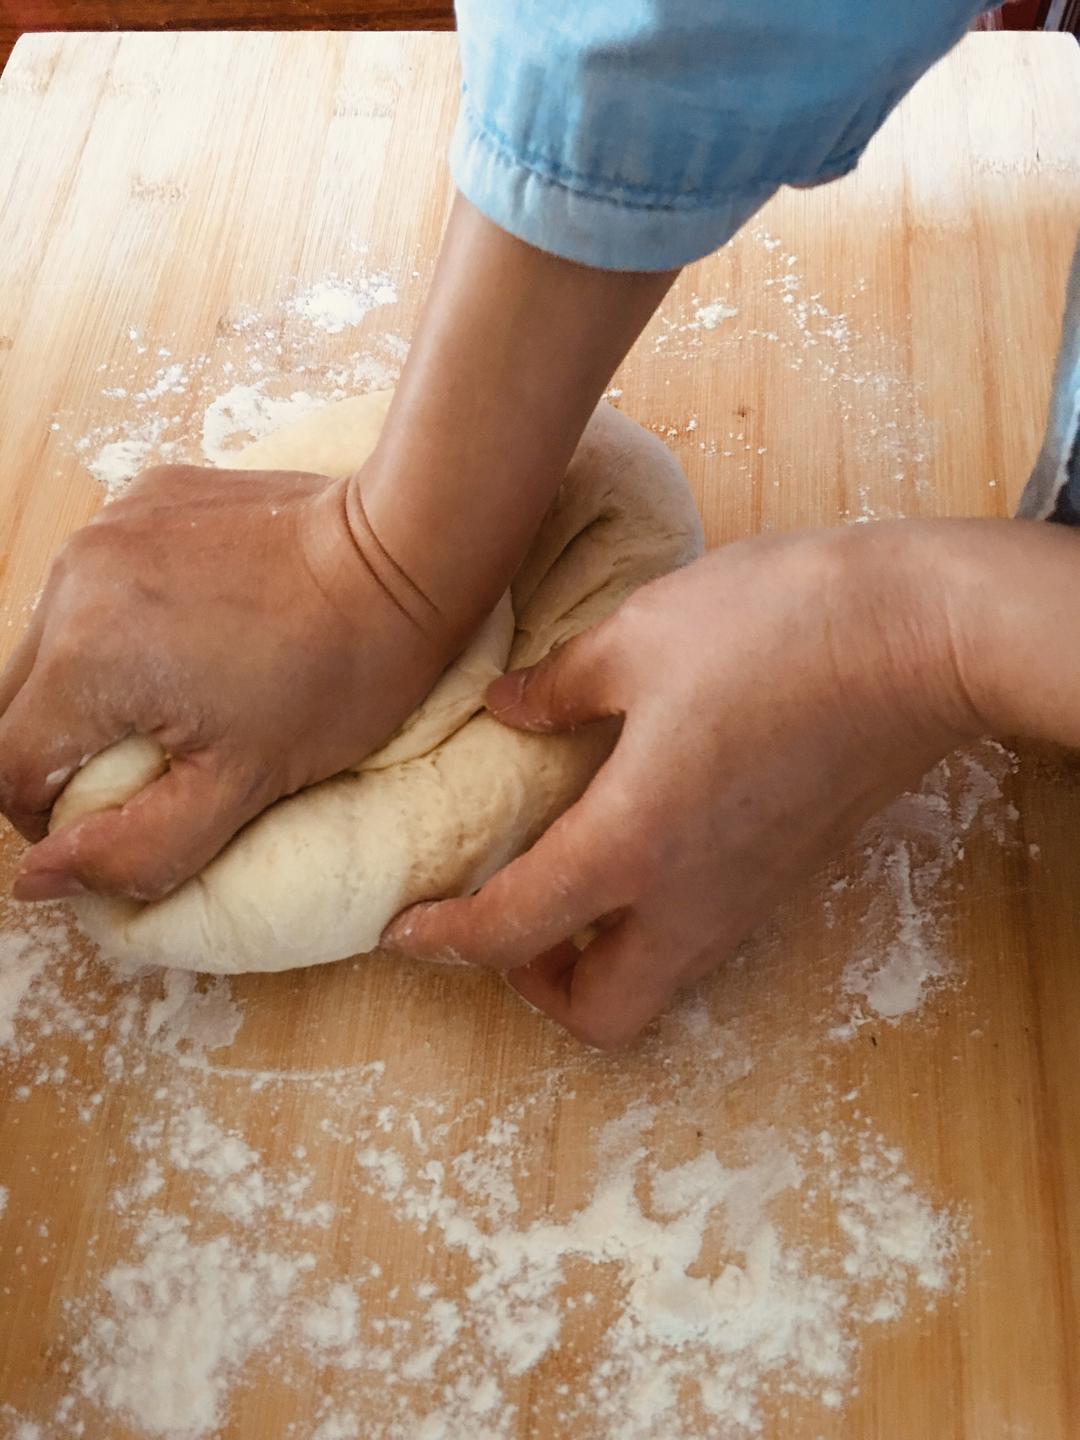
[(251, 623), (269, 629), (775, 694)]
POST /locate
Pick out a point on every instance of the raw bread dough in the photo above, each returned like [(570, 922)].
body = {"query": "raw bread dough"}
[(453, 795)]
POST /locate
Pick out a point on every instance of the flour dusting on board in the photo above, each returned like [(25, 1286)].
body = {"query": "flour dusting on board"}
[(266, 368), (335, 304), (182, 1320), (857, 376), (709, 1267), (247, 412), (906, 863), (263, 371), (699, 1264)]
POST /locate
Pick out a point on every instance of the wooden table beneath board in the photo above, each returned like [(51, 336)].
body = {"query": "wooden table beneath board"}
[(839, 1187), (17, 16)]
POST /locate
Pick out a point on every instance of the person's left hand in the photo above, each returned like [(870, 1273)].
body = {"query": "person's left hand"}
[(775, 694)]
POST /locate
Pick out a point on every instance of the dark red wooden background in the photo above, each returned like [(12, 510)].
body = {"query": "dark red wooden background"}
[(17, 16)]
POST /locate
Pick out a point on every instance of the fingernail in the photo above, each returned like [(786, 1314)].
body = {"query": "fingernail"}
[(506, 692), (47, 885), (398, 933)]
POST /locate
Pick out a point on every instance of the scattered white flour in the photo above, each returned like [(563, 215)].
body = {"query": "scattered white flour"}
[(150, 1183), (768, 1318), (710, 1265), (170, 380), (895, 1238), (190, 1017), (116, 465), (906, 860), (246, 412), (332, 1324), (860, 375), (896, 982), (342, 1426), (714, 314), (723, 1270), (334, 304), (261, 371), (22, 960), (182, 1319)]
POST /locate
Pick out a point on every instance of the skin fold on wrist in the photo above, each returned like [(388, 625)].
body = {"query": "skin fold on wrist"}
[(512, 351)]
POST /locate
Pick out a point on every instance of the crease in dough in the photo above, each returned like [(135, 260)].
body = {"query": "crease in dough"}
[(453, 795)]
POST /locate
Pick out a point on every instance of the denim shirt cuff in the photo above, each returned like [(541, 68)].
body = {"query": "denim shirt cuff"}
[(607, 227)]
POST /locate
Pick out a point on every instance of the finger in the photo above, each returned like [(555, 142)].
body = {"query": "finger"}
[(17, 670), (44, 738), (572, 875), (606, 993), (146, 848), (574, 685)]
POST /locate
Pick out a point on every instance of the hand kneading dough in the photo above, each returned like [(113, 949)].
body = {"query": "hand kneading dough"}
[(453, 795)]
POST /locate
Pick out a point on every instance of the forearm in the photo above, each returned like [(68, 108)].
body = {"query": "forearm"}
[(972, 625), (953, 629), (513, 350)]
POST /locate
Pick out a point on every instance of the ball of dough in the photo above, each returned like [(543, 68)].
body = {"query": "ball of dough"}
[(453, 795)]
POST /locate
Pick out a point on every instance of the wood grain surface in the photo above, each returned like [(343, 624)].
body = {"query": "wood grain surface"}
[(879, 347)]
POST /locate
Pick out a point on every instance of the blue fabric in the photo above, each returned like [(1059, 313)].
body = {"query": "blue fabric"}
[(641, 134)]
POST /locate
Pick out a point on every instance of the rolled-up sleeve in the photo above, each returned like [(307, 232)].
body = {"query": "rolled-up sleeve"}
[(641, 134)]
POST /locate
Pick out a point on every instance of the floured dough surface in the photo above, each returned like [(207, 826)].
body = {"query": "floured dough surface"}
[(453, 795)]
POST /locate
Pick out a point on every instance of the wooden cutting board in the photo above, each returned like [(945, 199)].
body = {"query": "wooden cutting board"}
[(836, 1193)]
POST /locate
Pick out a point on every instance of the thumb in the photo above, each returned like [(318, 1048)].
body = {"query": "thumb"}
[(573, 685), (144, 849)]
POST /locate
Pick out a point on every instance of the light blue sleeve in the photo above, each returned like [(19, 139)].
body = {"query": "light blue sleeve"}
[(641, 134)]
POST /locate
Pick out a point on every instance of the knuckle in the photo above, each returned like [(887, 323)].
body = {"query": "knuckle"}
[(67, 559), (85, 646), (58, 651), (631, 613), (77, 565), (161, 485), (24, 794), (160, 474), (32, 827), (161, 477), (630, 629)]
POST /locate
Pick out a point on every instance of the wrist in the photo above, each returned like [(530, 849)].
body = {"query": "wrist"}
[(511, 353), (1013, 586), (447, 602), (366, 583), (913, 659)]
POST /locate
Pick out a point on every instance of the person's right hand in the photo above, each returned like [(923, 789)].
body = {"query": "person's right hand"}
[(251, 623)]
